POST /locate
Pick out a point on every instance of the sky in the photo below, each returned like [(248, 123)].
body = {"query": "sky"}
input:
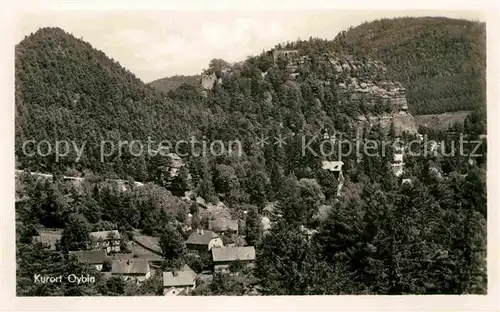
[(157, 44)]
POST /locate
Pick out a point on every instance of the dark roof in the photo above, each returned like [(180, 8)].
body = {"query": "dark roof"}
[(223, 224), (233, 253), (184, 277), (90, 256), (197, 238), (131, 266)]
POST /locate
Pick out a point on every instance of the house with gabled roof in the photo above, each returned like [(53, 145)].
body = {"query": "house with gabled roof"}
[(131, 269), (179, 282), (95, 258), (203, 240), (224, 256), (107, 240)]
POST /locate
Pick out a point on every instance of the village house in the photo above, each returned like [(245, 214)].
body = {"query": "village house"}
[(223, 257), (95, 258), (107, 240), (179, 282), (131, 269), (203, 240), (223, 226)]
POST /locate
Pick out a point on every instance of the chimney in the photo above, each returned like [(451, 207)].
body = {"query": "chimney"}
[(201, 232)]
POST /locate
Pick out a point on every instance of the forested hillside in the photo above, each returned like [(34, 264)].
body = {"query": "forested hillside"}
[(441, 61)]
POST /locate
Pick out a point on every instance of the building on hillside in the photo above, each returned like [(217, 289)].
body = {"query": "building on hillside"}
[(107, 240), (223, 257), (223, 226), (179, 282), (49, 238), (94, 258), (203, 240), (286, 54), (131, 269)]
